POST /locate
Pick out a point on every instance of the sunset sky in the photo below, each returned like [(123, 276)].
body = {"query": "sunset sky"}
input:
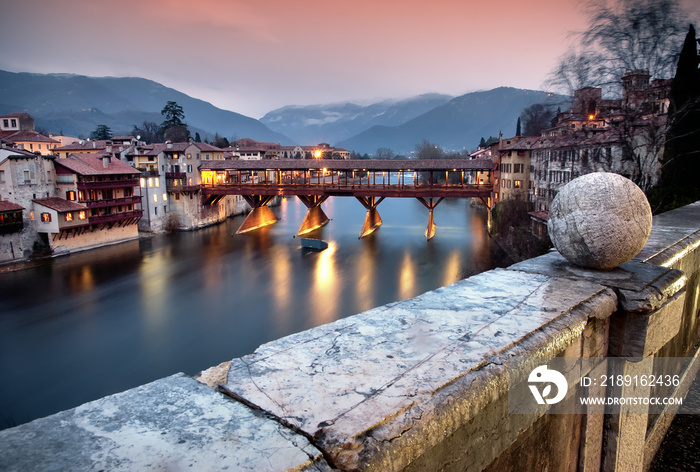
[(252, 56)]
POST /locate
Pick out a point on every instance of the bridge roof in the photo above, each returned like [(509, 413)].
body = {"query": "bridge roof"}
[(349, 164)]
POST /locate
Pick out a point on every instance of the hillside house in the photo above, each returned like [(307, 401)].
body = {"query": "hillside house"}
[(624, 136), (17, 131)]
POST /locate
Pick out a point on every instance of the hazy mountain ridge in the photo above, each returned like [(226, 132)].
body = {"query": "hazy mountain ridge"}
[(76, 104), (338, 121), (457, 125)]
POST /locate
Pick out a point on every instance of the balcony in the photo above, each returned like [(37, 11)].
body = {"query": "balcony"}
[(176, 175), (149, 173), (9, 228), (133, 200), (116, 217), (89, 185)]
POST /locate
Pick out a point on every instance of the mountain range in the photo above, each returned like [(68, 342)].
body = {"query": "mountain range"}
[(74, 105), (339, 121)]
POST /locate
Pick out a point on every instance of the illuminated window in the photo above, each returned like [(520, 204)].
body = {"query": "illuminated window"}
[(189, 155), (70, 195), (150, 182), (81, 215), (69, 216), (155, 198), (517, 183), (31, 215), (157, 182), (165, 197), (46, 217), (143, 183)]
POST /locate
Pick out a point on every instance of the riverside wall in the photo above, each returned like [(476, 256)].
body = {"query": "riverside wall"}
[(417, 385)]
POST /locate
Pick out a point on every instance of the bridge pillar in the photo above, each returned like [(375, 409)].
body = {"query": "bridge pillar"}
[(315, 217), (430, 204), (260, 215), (372, 219)]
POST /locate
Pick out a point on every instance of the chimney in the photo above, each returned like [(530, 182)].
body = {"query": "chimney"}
[(169, 144), (105, 161), (108, 147)]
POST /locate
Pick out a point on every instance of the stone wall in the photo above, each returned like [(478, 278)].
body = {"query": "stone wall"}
[(92, 238), (417, 385)]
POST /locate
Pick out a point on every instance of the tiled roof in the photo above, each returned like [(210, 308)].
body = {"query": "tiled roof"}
[(349, 164), (83, 145), (174, 147), (27, 136), (9, 206), (22, 154), (207, 147), (91, 164), (59, 204)]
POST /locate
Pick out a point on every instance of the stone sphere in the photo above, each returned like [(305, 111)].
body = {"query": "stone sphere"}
[(599, 220)]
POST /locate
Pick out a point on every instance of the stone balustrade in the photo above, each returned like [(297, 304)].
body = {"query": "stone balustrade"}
[(417, 385)]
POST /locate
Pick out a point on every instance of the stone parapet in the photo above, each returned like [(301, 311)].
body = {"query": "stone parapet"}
[(417, 385)]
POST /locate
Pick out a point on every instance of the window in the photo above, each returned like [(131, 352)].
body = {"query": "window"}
[(2, 175), (46, 217), (26, 175), (143, 182), (206, 157), (165, 197), (82, 215), (189, 168), (70, 195), (31, 215), (517, 183), (155, 198), (6, 123), (189, 155), (69, 216), (14, 123), (155, 209)]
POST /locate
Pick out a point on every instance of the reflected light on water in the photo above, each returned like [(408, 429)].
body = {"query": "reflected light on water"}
[(407, 277), (325, 291), (81, 281), (451, 268), (365, 280), (154, 289), (281, 291)]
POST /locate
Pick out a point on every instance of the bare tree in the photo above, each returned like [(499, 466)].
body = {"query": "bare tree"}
[(622, 36), (428, 150), (384, 153), (536, 118), (575, 70)]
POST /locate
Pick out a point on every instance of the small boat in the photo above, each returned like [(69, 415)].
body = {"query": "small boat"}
[(317, 244)]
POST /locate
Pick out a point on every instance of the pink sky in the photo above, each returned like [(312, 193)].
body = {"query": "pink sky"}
[(252, 56)]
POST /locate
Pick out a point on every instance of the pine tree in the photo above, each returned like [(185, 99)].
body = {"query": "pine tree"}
[(102, 132), (517, 128), (681, 161)]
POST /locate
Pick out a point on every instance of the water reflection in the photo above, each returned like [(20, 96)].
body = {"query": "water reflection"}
[(77, 328), (407, 277)]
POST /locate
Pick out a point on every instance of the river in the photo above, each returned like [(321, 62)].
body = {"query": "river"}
[(79, 327)]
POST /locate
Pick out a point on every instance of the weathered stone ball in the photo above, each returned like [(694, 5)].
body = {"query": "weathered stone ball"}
[(599, 220)]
